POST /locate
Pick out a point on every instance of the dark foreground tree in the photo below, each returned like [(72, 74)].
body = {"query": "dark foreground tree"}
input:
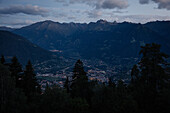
[(30, 84), (56, 100), (15, 69), (152, 67), (80, 86), (111, 83), (12, 99), (2, 59), (67, 85), (108, 99), (149, 79), (134, 74)]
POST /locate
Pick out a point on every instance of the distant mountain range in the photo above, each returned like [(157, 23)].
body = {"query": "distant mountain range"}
[(101, 39), (110, 42)]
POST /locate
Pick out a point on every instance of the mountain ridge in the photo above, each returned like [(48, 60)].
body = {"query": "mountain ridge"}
[(14, 45), (46, 33)]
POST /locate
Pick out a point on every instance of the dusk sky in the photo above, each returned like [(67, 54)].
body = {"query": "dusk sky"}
[(18, 13)]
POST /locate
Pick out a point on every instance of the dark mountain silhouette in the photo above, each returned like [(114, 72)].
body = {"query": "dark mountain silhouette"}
[(161, 27), (15, 45)]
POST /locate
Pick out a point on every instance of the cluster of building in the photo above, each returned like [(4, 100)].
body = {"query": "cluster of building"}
[(98, 72), (50, 80)]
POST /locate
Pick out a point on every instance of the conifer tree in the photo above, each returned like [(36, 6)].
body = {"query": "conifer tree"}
[(134, 73), (152, 66), (121, 88), (80, 85), (2, 59), (29, 80), (150, 77), (15, 69), (111, 83), (78, 71), (66, 85), (47, 88), (12, 100)]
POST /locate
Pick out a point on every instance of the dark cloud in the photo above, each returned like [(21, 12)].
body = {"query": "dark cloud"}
[(144, 1), (111, 4), (100, 4), (61, 1), (162, 4), (27, 9)]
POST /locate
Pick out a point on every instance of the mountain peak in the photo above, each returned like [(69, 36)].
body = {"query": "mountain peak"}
[(48, 21), (102, 21)]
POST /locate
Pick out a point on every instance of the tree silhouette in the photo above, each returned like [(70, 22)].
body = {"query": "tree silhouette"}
[(30, 84), (152, 66), (12, 99), (15, 69), (111, 83), (2, 59), (66, 85), (134, 73), (80, 84), (79, 71), (149, 77)]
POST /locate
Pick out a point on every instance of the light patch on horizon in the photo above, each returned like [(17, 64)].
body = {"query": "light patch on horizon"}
[(139, 18)]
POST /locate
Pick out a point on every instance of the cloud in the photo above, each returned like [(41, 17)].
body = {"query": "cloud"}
[(27, 9), (16, 23), (71, 18), (162, 4), (119, 11), (94, 13), (100, 4)]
